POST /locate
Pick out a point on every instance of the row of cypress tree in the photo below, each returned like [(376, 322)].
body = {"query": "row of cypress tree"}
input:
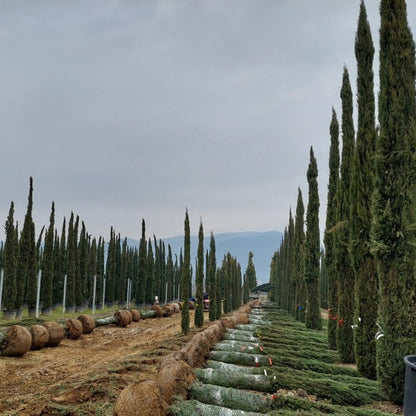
[(76, 257), (295, 267), (226, 286), (368, 268)]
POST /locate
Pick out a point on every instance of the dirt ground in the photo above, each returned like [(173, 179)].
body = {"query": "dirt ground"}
[(85, 376)]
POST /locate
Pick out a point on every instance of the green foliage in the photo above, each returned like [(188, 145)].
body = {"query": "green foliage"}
[(329, 236), (212, 279), (312, 248), (299, 260), (346, 277), (199, 295), (141, 273), (10, 262), (28, 268), (48, 262), (366, 285), (71, 260), (393, 208), (186, 277)]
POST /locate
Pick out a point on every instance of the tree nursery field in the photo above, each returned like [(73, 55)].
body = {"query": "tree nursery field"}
[(256, 360), (86, 375)]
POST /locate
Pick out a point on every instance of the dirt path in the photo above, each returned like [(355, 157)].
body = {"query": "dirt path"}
[(85, 376)]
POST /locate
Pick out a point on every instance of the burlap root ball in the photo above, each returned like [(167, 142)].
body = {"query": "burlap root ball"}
[(141, 399), (40, 337), (158, 310), (73, 328), (17, 342), (135, 315), (88, 323), (56, 333), (175, 379), (123, 317)]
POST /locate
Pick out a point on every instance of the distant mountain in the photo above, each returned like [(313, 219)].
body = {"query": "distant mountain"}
[(262, 244)]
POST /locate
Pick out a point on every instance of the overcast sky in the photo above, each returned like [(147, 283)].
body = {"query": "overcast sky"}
[(123, 110)]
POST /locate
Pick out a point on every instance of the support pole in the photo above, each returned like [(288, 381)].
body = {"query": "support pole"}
[(64, 297), (1, 287), (38, 293), (93, 294)]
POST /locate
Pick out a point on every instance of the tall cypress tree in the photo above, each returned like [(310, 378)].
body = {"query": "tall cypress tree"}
[(313, 318), (346, 277), (170, 275), (82, 251), (366, 286), (394, 204), (10, 262), (299, 261), (141, 276), (71, 263), (150, 275), (186, 277), (329, 236), (48, 262), (212, 273), (199, 298), (27, 256), (251, 272)]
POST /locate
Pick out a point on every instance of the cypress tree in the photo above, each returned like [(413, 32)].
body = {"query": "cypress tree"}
[(150, 275), (10, 262), (110, 268), (48, 262), (170, 275), (60, 267), (82, 251), (123, 271), (329, 236), (313, 313), (199, 298), (346, 277), (251, 272), (57, 286), (323, 288), (394, 202), (363, 262), (92, 271), (141, 276), (299, 261), (225, 277), (186, 277), (27, 253), (100, 268), (71, 263), (212, 272)]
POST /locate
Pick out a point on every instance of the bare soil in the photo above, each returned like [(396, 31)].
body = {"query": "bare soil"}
[(85, 376)]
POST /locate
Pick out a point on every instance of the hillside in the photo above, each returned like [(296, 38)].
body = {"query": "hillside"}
[(239, 244)]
